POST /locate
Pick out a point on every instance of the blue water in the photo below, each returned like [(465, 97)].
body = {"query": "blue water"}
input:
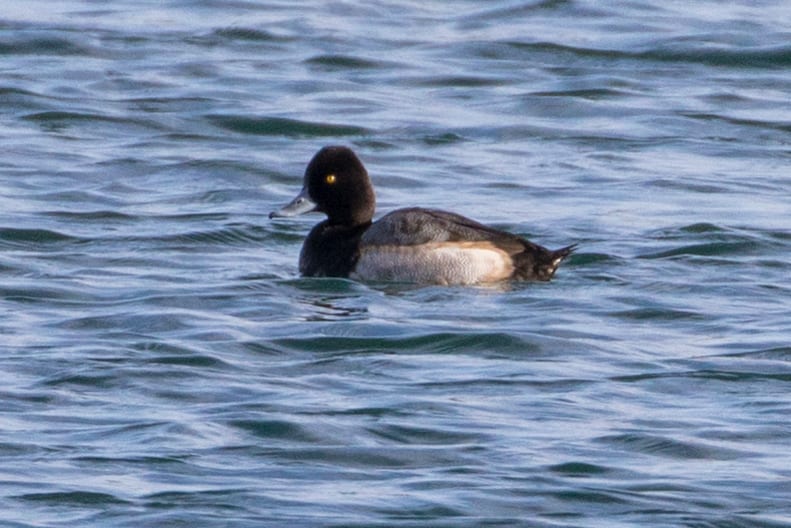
[(163, 364)]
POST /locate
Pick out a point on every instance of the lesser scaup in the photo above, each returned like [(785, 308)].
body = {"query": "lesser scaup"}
[(407, 245)]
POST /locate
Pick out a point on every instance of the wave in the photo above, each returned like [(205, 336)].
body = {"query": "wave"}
[(281, 126)]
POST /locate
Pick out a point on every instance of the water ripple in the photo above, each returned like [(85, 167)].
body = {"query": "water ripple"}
[(667, 447), (343, 62), (164, 363), (47, 44), (279, 126), (33, 239)]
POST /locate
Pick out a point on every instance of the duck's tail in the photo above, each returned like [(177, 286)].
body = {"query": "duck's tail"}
[(538, 263), (557, 257)]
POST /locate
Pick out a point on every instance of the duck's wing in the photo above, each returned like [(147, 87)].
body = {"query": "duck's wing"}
[(415, 226)]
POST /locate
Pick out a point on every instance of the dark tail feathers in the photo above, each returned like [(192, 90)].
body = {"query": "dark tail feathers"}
[(539, 263)]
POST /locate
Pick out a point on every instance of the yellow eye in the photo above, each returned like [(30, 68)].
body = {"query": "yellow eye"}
[(330, 179)]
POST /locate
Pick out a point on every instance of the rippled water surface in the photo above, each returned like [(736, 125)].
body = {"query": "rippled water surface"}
[(163, 364)]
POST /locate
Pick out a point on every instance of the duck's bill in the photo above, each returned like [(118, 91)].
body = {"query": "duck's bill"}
[(300, 205)]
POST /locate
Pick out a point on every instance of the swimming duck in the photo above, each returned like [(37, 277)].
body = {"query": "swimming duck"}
[(414, 244)]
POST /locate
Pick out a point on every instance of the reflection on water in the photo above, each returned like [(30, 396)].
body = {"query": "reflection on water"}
[(164, 364)]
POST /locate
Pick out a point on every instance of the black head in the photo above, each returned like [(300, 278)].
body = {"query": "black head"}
[(337, 182)]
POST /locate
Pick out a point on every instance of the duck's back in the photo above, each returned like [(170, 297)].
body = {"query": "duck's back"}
[(429, 245)]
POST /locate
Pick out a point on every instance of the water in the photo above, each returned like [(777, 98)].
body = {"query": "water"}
[(164, 365)]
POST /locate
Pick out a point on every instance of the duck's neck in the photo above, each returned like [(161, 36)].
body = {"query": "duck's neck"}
[(359, 211)]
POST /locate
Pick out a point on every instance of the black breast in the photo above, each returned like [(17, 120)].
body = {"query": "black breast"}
[(331, 250)]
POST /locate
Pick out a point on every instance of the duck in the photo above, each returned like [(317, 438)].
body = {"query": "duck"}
[(410, 245)]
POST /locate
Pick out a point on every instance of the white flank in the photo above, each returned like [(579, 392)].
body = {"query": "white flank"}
[(463, 263)]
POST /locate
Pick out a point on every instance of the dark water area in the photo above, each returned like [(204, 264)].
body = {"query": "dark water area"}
[(163, 364)]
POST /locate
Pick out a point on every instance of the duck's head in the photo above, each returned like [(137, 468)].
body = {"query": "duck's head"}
[(336, 184)]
